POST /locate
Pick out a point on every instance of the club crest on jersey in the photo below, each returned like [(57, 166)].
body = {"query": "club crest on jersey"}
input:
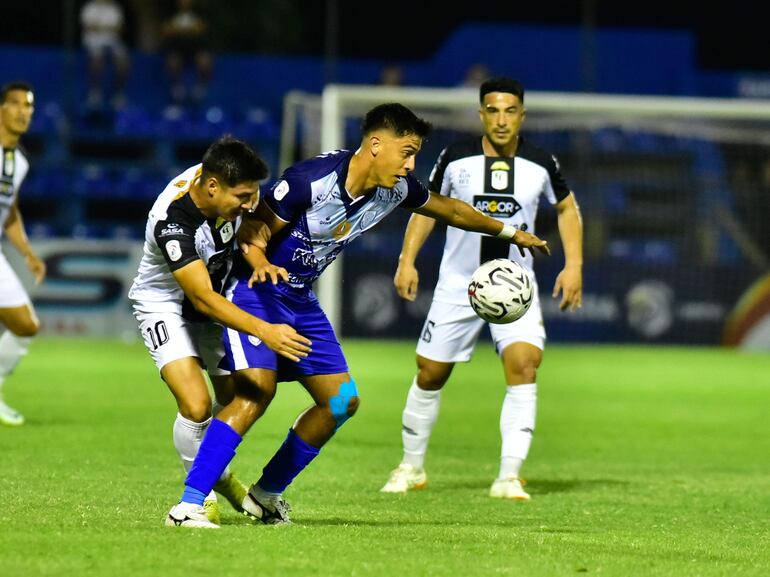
[(174, 250), (341, 230), (281, 190), (499, 174), (496, 205), (226, 232), (9, 163)]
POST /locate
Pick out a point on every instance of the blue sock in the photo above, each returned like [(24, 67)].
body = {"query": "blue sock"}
[(215, 453), (191, 495), (293, 456)]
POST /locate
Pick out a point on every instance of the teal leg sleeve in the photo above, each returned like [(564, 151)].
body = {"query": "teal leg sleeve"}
[(340, 402)]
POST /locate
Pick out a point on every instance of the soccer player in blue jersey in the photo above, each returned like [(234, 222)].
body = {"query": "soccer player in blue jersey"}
[(312, 213)]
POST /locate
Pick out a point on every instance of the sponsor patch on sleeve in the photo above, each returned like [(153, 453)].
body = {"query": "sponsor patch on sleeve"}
[(281, 190), (174, 250)]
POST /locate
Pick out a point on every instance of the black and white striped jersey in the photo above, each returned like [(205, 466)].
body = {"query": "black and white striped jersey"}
[(178, 233), (14, 169), (505, 188)]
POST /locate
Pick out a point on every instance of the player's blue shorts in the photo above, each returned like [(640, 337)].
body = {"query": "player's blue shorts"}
[(294, 307)]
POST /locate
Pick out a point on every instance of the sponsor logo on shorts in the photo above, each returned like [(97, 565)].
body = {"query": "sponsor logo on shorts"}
[(496, 205), (174, 250), (254, 340)]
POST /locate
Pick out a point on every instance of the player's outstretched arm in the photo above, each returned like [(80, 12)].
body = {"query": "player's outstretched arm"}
[(462, 215), (196, 284), (407, 278), (569, 282)]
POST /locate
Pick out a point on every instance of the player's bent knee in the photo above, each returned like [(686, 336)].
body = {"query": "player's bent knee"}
[(345, 403), (196, 411), (431, 375), (524, 375)]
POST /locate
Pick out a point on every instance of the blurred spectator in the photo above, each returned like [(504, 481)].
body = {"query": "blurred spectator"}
[(476, 75), (102, 27), (185, 37), (391, 75)]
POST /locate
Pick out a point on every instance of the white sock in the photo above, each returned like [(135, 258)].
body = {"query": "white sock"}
[(12, 349), (188, 436), (419, 416), (517, 423)]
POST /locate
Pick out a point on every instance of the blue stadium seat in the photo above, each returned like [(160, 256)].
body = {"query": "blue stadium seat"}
[(257, 124), (93, 181), (136, 121)]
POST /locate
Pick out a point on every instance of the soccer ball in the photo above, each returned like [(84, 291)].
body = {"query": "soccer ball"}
[(500, 291)]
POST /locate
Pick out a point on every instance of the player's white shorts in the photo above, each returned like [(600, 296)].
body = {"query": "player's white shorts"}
[(451, 331), (12, 293), (169, 336)]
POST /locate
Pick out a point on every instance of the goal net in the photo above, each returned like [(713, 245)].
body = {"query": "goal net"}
[(674, 192)]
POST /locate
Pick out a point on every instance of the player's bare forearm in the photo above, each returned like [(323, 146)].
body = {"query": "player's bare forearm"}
[(571, 231), (17, 235), (15, 232), (407, 279), (459, 214), (253, 232), (417, 232), (462, 215), (196, 284), (569, 282)]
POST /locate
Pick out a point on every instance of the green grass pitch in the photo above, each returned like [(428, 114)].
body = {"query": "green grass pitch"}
[(646, 461)]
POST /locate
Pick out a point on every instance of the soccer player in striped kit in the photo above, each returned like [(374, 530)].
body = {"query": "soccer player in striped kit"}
[(17, 315), (503, 175)]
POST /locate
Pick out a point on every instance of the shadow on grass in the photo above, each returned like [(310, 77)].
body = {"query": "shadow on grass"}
[(546, 486), (537, 486)]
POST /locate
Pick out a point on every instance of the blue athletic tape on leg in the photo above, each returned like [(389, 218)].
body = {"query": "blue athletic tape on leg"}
[(215, 453), (339, 403), (191, 495), (288, 462)]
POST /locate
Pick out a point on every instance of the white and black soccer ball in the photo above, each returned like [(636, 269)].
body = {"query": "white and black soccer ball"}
[(500, 291)]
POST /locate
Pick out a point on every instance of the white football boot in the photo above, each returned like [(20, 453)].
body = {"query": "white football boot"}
[(10, 416), (269, 508), (509, 488), (405, 478), (190, 516)]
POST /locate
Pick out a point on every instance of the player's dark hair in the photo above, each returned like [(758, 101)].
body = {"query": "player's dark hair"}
[(234, 162), (11, 86), (501, 84), (395, 117)]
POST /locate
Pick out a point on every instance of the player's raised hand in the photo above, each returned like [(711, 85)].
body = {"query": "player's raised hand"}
[(523, 240), (285, 341), (407, 281), (570, 284), (268, 271)]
